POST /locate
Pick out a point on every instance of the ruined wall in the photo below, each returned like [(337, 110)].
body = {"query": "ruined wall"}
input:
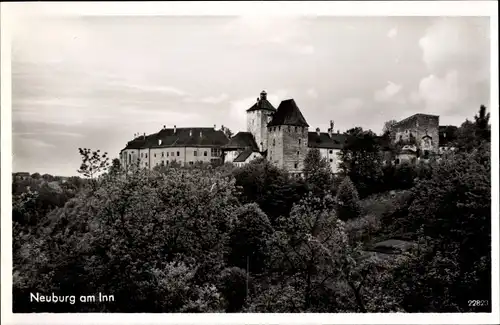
[(419, 126)]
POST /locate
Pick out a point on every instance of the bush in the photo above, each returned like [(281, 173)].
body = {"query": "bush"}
[(347, 200)]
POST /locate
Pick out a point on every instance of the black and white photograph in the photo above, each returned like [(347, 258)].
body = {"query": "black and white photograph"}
[(249, 163)]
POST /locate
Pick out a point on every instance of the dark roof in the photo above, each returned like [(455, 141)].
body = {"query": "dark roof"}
[(262, 104), (209, 137), (288, 113), (323, 140), (412, 118), (242, 157), (242, 140)]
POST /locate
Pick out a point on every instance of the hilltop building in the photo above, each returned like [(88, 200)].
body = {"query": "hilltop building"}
[(280, 135)]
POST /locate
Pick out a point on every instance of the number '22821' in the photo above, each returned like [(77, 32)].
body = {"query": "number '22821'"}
[(478, 303)]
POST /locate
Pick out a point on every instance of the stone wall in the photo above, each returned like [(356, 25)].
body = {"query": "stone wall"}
[(294, 147), (419, 126)]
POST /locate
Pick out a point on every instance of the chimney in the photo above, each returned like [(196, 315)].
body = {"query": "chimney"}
[(222, 128), (175, 129), (215, 127), (263, 95), (144, 135), (330, 130), (190, 133), (338, 131), (318, 131), (164, 127)]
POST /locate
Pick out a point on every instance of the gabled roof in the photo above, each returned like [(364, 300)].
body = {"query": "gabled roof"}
[(183, 137), (242, 140), (323, 140), (242, 157), (262, 104), (288, 113)]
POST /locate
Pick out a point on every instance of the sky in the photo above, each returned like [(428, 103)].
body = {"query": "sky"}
[(95, 81)]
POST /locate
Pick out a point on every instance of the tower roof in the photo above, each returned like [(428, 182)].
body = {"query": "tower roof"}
[(288, 113), (262, 103)]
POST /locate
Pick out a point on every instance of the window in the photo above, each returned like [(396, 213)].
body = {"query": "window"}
[(162, 154), (205, 154), (129, 158), (195, 153), (295, 129), (146, 164), (426, 154), (279, 128), (190, 162), (396, 161), (167, 162), (155, 155), (178, 153), (331, 151), (300, 140), (146, 155), (331, 160), (298, 153), (142, 154), (296, 165)]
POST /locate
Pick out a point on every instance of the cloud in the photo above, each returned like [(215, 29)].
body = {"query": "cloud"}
[(311, 92), (262, 29), (454, 42), (208, 100), (441, 93), (456, 54), (388, 93), (393, 32), (306, 49), (32, 144)]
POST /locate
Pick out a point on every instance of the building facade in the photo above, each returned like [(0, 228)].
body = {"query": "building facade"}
[(181, 146), (281, 135)]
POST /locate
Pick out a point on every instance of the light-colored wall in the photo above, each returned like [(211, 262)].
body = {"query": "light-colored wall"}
[(149, 158), (331, 156), (257, 125), (253, 156), (231, 155)]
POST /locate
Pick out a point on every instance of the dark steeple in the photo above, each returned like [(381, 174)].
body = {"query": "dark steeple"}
[(288, 113), (262, 103)]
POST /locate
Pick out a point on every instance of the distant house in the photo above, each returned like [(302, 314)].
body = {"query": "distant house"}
[(241, 149)]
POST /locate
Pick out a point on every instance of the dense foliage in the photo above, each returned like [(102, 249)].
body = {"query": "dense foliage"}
[(255, 239)]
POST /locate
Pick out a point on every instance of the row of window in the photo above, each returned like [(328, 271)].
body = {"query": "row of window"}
[(215, 152), (296, 128)]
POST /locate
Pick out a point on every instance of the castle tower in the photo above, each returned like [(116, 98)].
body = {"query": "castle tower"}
[(258, 116), (288, 137)]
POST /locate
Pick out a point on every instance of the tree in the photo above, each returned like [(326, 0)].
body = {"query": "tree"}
[(248, 238), (361, 160), (347, 200), (451, 214), (471, 134), (388, 127), (270, 187), (93, 163), (317, 173), (115, 167)]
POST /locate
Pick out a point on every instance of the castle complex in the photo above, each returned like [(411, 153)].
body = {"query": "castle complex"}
[(281, 135)]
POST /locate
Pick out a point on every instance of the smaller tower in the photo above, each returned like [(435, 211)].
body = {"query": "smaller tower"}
[(258, 116)]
